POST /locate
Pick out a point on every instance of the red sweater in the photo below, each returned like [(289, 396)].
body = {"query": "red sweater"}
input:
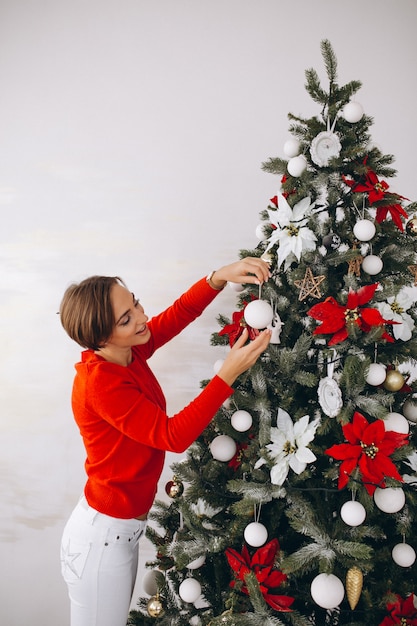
[(121, 414)]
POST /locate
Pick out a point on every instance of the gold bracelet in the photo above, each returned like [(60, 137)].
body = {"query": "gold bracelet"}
[(210, 282)]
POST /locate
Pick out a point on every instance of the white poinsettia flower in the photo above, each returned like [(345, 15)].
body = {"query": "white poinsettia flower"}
[(289, 445), (412, 463), (290, 231), (395, 309)]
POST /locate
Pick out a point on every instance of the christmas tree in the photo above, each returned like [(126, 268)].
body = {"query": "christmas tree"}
[(297, 505)]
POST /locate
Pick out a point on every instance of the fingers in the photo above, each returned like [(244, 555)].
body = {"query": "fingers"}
[(255, 271)]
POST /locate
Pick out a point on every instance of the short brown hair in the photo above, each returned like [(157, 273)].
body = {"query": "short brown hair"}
[(86, 311)]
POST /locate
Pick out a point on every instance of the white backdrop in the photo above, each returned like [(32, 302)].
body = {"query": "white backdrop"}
[(131, 138)]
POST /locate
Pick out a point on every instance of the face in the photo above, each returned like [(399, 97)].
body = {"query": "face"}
[(130, 328)]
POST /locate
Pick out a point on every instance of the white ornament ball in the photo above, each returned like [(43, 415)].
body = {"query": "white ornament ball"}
[(241, 420), (292, 148), (217, 365), (152, 582), (410, 411), (223, 448), (397, 423), (258, 314), (260, 233), (353, 112), (198, 562), (403, 555), (237, 287), (327, 591), (372, 264), (376, 374), (364, 230), (189, 590), (353, 513), (297, 165), (255, 534), (390, 499)]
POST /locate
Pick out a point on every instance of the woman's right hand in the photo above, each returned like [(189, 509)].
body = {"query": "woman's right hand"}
[(241, 357)]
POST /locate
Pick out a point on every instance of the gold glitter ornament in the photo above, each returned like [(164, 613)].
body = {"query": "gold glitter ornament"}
[(394, 380), (154, 607), (354, 582)]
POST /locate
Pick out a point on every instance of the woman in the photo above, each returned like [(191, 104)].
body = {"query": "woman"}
[(120, 410)]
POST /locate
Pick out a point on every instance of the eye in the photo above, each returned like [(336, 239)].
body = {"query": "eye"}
[(126, 322)]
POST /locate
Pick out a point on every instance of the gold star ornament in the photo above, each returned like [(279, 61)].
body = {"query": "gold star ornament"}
[(309, 286)]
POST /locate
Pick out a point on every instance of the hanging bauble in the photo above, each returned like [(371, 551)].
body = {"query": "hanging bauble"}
[(353, 513), (410, 411), (189, 590), (223, 448), (241, 420), (331, 241), (330, 396), (297, 165), (372, 264), (396, 423), (376, 374), (260, 232), (324, 147), (390, 499), (217, 365), (154, 607), (327, 591), (292, 148), (258, 314), (255, 534), (394, 380), (174, 488), (198, 562), (352, 112), (152, 582), (237, 287), (411, 226), (403, 555), (354, 582), (364, 230)]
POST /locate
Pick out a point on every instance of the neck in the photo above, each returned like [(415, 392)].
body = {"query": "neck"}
[(120, 356)]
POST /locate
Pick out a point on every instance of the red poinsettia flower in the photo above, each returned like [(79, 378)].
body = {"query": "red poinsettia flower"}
[(237, 459), (337, 318), (377, 192), (368, 449), (402, 612), (235, 329), (262, 565)]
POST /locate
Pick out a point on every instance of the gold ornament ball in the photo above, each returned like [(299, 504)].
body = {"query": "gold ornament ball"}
[(411, 226), (354, 582), (174, 488), (154, 607), (394, 380)]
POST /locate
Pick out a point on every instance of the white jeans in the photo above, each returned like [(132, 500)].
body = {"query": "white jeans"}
[(99, 560)]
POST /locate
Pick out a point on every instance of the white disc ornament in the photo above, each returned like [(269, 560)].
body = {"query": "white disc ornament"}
[(330, 396), (325, 147), (297, 165), (352, 112), (396, 423), (190, 590), (258, 314), (390, 499), (327, 591), (241, 420), (223, 448), (376, 374), (410, 411), (198, 562), (364, 230), (152, 582), (292, 148), (353, 513), (255, 534), (372, 264), (403, 555)]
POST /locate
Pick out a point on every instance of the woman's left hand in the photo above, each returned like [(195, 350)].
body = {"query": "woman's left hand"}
[(249, 270)]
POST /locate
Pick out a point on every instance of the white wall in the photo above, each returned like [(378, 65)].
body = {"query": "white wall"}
[(131, 138)]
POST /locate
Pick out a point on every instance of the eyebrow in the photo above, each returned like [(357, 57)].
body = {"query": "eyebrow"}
[(126, 312)]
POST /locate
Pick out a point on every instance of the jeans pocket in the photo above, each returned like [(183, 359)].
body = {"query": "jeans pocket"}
[(74, 556)]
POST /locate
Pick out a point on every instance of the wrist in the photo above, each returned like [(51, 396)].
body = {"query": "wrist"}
[(218, 285)]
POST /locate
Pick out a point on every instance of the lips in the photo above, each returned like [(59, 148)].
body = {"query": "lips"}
[(142, 330)]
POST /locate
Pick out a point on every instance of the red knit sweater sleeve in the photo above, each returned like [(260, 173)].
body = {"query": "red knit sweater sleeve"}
[(118, 401)]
